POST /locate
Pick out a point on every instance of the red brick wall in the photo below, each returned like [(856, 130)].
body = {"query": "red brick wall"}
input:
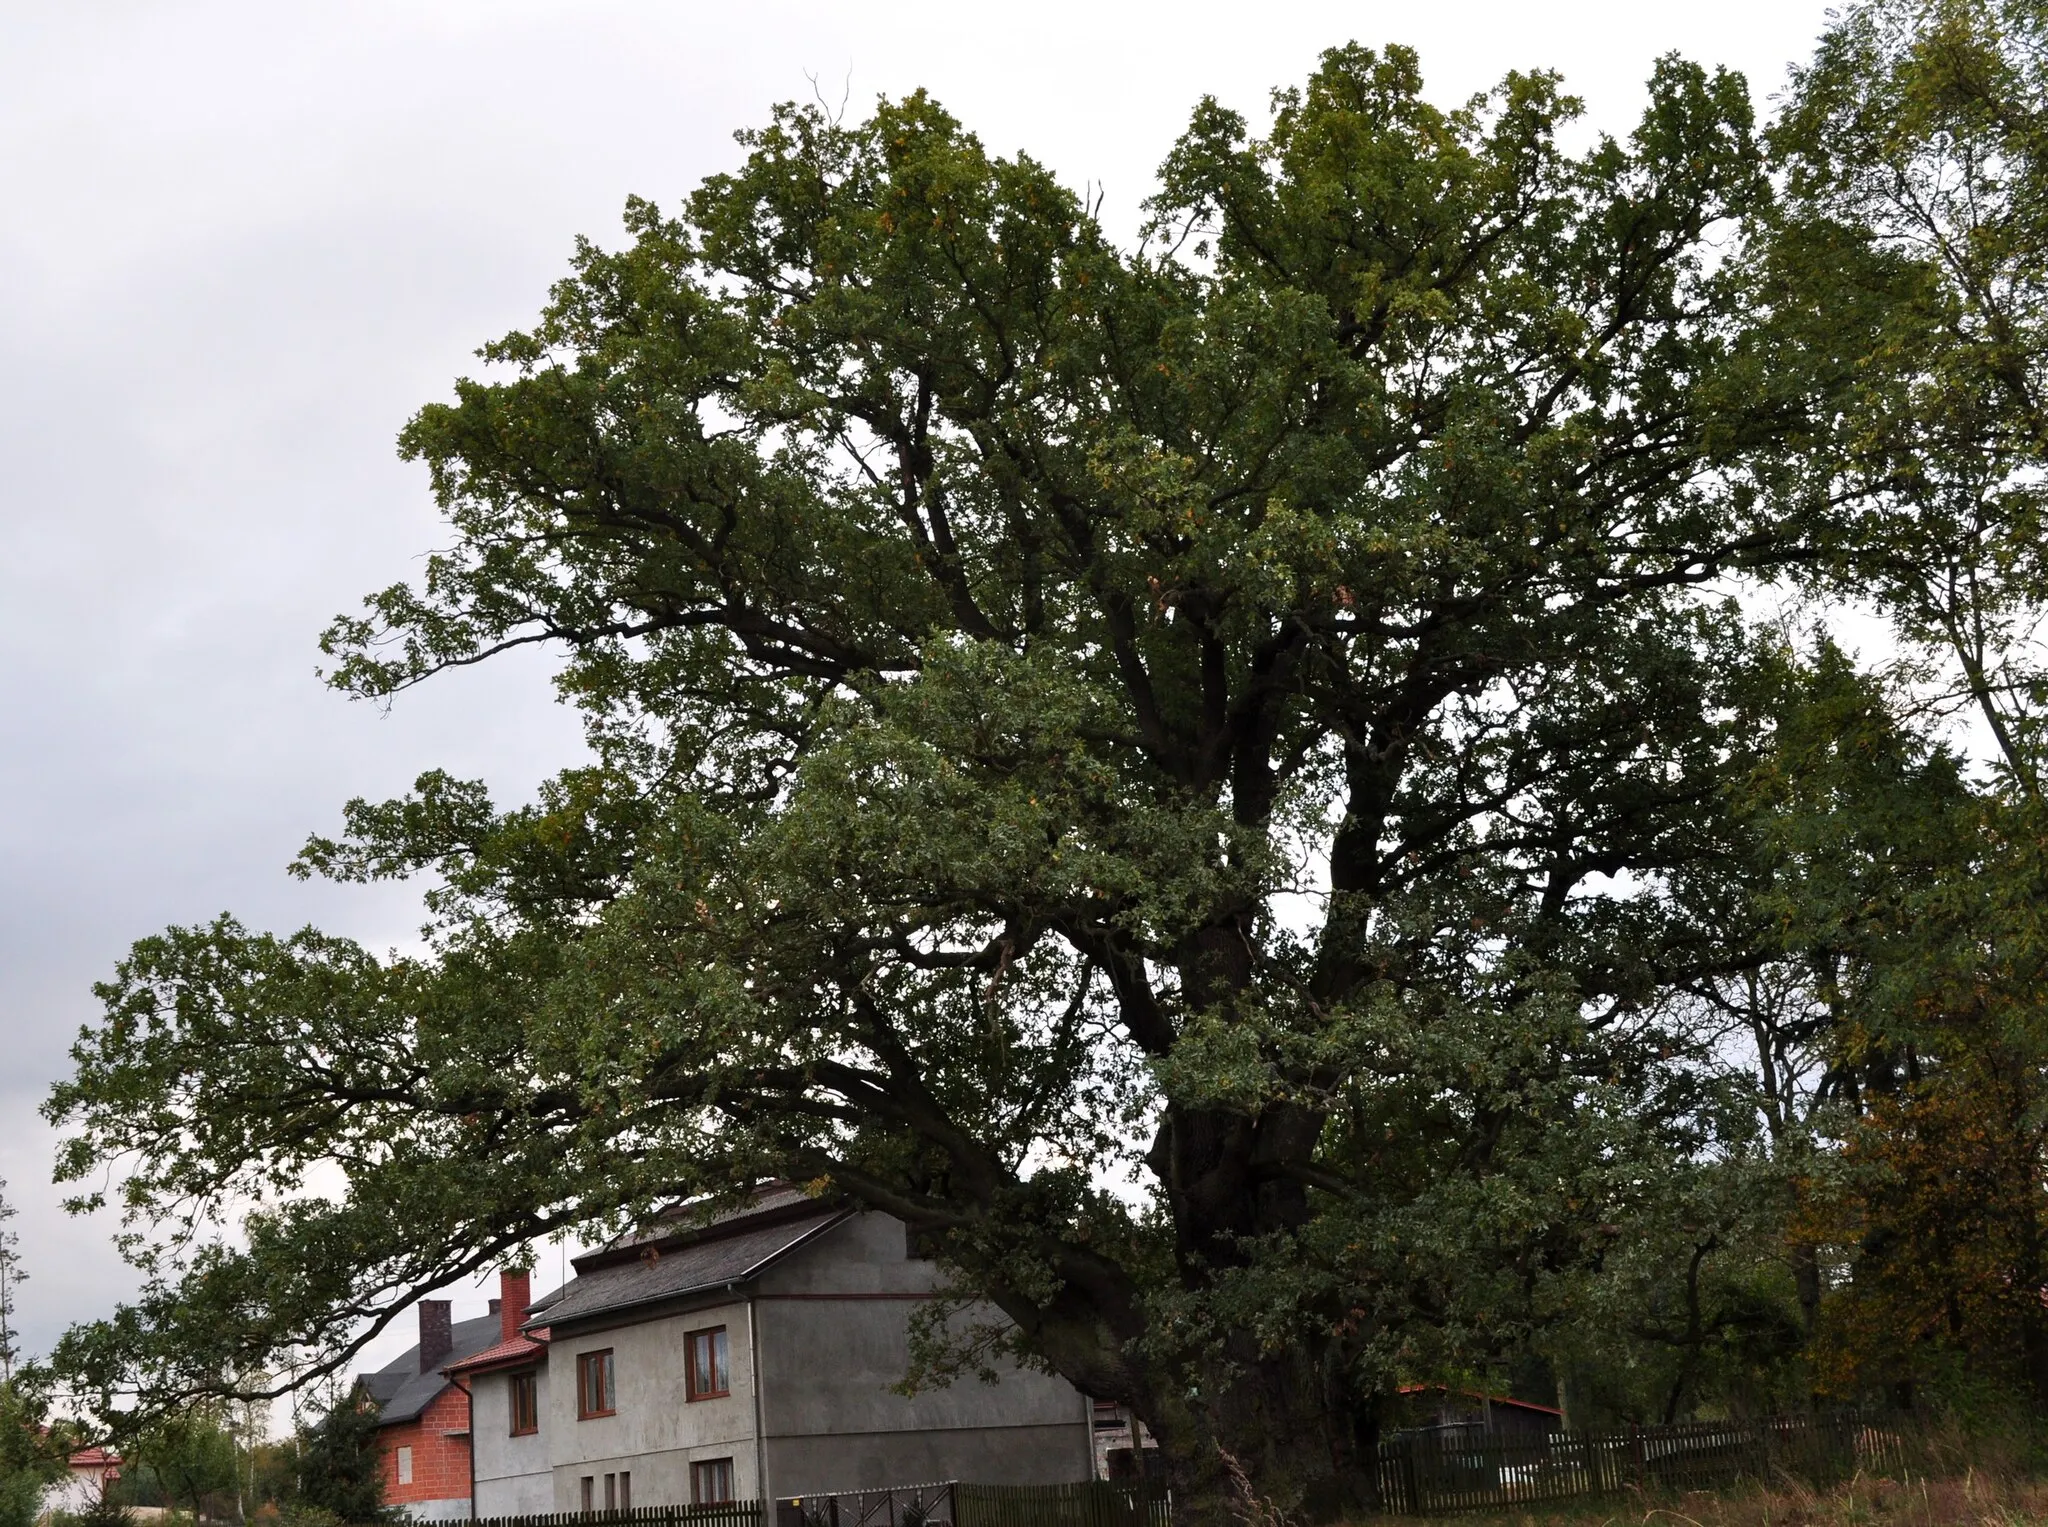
[(440, 1464)]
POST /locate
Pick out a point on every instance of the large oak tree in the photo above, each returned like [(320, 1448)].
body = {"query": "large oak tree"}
[(1186, 773)]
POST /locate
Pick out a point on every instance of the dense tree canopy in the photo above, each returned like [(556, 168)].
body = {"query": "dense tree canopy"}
[(1220, 781)]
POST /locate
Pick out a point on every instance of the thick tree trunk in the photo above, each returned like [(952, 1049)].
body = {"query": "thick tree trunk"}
[(1254, 1434), (1266, 1438)]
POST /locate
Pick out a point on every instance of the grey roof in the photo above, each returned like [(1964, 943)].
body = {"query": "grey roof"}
[(402, 1391), (729, 1252), (689, 1219)]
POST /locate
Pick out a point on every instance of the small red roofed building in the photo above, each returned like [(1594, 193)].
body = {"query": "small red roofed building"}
[(93, 1469)]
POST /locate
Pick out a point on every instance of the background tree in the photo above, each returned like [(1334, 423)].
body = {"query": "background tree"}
[(11, 1277), (339, 1468), (1912, 265), (1190, 775), (191, 1453), (1712, 1293), (32, 1455), (1907, 272)]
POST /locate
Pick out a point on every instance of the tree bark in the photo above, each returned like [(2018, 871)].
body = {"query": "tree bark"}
[(1267, 1434)]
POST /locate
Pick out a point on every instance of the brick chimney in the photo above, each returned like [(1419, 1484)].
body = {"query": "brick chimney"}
[(515, 1296), (437, 1333)]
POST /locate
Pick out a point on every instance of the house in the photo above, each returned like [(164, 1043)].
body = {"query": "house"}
[(92, 1470), (1124, 1448), (423, 1418), (1467, 1414), (749, 1356)]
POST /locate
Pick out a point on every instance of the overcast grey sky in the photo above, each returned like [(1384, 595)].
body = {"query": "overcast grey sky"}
[(240, 243)]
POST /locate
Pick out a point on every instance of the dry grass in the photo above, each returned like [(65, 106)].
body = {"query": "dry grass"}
[(1971, 1499)]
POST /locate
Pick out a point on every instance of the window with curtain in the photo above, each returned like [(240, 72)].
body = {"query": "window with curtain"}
[(525, 1404), (708, 1376), (594, 1393)]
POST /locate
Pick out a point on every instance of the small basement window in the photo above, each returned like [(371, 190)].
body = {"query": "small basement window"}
[(711, 1482)]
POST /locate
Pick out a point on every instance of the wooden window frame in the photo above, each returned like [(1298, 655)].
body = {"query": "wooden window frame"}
[(526, 1381), (585, 1361), (690, 1389), (697, 1481)]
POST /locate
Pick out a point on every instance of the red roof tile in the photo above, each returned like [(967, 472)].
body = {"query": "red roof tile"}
[(521, 1348)]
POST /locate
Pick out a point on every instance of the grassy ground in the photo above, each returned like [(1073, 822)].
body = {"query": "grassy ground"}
[(1972, 1499)]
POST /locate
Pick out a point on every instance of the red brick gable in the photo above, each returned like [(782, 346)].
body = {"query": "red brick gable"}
[(440, 1461)]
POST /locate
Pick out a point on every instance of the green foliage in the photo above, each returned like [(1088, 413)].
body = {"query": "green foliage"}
[(32, 1455), (340, 1478), (1217, 781), (300, 1514), (191, 1453), (1238, 718), (21, 1498), (1912, 270), (103, 1510), (273, 1472), (1908, 269), (29, 1442)]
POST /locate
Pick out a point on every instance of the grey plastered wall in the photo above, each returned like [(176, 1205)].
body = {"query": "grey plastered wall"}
[(513, 1477), (658, 1431), (834, 1333)]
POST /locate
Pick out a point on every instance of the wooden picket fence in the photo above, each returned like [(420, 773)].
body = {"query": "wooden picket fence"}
[(1422, 1474)]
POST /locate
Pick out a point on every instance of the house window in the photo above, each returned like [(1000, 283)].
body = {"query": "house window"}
[(611, 1492), (711, 1480), (589, 1494), (405, 1465), (594, 1394), (625, 1490), (708, 1377), (525, 1405)]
